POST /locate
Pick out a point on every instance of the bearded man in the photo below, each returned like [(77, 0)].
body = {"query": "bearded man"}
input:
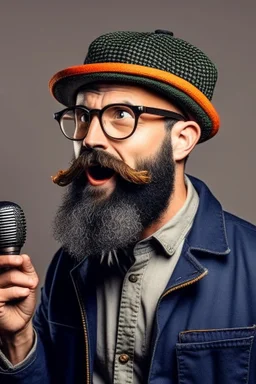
[(154, 282)]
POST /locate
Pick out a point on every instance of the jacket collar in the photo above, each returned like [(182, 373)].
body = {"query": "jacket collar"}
[(208, 232)]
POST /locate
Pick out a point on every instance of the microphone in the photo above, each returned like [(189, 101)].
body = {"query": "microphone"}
[(12, 228)]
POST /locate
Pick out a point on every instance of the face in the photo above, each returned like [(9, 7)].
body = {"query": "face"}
[(101, 215), (146, 140)]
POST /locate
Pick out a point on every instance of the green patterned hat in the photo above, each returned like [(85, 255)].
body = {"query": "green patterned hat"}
[(156, 60)]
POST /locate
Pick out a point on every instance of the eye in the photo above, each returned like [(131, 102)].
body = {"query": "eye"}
[(83, 118), (122, 113)]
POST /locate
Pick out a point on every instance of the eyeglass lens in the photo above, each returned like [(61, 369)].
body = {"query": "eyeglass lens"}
[(117, 121)]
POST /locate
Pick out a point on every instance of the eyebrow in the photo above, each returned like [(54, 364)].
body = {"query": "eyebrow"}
[(126, 102), (119, 102)]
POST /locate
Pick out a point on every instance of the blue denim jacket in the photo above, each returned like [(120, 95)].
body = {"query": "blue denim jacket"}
[(204, 324)]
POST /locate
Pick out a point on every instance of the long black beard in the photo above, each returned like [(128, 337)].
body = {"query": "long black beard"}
[(88, 225)]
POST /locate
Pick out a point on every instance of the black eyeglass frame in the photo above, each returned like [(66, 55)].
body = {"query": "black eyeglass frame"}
[(137, 110)]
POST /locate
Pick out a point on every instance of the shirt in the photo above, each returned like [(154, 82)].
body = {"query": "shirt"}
[(126, 304)]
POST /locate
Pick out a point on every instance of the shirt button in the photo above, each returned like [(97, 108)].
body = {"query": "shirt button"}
[(133, 278), (124, 358)]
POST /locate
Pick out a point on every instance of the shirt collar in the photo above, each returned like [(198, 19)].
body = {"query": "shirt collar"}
[(174, 231)]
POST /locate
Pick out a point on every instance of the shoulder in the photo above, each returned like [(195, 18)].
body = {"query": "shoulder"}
[(239, 223), (240, 230)]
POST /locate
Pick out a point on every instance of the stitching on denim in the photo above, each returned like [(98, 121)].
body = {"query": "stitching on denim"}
[(221, 218), (65, 325), (249, 362), (251, 328), (180, 367), (203, 345)]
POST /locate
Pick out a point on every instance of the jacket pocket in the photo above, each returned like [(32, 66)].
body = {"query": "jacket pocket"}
[(220, 356)]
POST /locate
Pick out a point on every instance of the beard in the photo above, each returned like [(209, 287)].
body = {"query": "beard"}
[(87, 224)]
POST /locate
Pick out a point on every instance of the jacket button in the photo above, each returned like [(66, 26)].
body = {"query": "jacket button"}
[(124, 358), (133, 278)]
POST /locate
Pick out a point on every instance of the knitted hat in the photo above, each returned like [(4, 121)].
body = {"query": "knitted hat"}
[(159, 61)]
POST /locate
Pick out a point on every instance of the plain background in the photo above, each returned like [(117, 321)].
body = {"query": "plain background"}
[(39, 38)]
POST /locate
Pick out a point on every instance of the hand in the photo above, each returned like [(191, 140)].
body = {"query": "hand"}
[(18, 283), (17, 293)]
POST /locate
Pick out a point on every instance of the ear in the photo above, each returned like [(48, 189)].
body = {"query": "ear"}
[(185, 135)]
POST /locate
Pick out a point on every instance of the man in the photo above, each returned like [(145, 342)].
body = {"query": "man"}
[(154, 281)]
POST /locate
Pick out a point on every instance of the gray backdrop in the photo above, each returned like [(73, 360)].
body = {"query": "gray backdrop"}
[(38, 38)]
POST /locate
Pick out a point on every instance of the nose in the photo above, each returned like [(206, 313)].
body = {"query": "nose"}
[(95, 137)]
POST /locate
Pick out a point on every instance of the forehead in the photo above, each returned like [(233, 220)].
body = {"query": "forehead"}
[(115, 92), (101, 89)]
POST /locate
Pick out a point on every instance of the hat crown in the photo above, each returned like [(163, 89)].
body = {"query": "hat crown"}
[(158, 61), (156, 50)]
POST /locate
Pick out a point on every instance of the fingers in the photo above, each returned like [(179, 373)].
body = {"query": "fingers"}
[(17, 270), (10, 261), (12, 293), (14, 277)]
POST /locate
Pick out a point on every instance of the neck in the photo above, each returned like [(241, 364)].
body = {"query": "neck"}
[(176, 202)]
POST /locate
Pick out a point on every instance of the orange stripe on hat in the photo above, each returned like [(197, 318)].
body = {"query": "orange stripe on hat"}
[(152, 73)]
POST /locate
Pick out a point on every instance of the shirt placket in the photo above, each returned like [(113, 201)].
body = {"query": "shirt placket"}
[(128, 318)]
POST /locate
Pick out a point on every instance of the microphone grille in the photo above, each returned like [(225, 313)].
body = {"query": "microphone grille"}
[(12, 225)]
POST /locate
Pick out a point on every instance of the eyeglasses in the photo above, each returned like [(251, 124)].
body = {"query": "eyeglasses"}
[(118, 121)]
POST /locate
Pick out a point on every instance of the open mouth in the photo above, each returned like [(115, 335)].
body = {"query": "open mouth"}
[(99, 173)]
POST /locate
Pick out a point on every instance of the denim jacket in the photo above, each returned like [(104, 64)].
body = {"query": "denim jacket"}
[(204, 328)]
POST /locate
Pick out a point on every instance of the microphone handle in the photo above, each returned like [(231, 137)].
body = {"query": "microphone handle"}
[(10, 251)]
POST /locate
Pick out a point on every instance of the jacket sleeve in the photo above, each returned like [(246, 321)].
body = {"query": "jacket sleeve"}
[(36, 368)]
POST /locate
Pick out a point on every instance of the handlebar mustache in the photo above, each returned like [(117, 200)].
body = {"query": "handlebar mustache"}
[(94, 157)]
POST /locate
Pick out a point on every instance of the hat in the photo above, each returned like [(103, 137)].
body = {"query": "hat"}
[(156, 60)]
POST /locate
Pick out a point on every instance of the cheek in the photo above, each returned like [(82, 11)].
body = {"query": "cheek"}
[(143, 144), (77, 148)]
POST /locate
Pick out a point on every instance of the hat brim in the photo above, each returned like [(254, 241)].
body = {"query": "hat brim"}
[(65, 85)]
